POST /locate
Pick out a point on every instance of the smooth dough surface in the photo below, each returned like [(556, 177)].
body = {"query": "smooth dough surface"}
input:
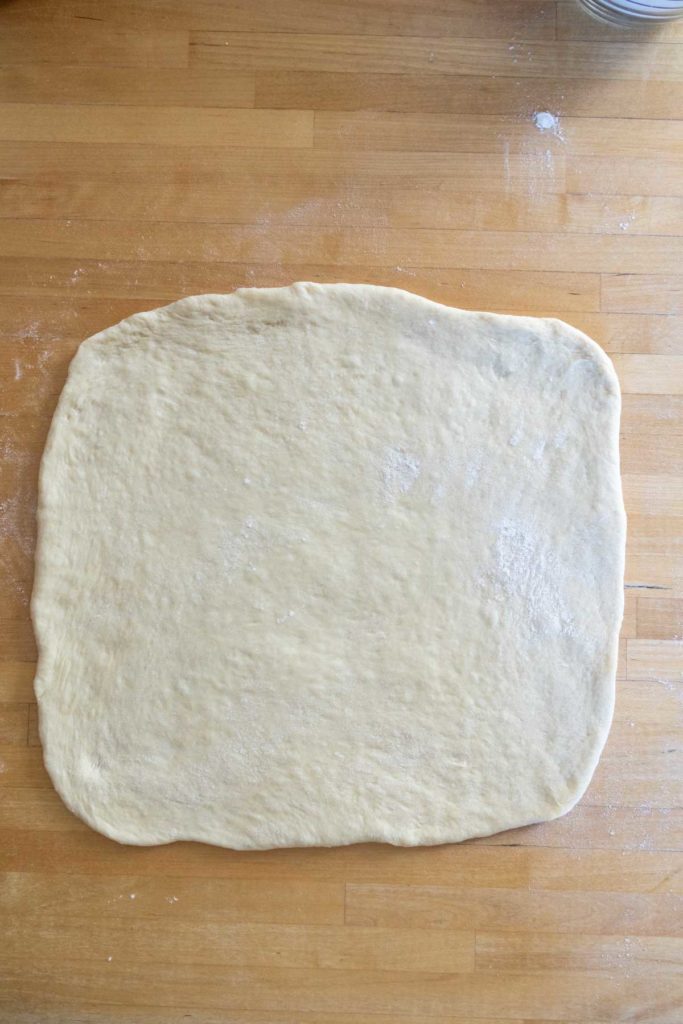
[(328, 564)]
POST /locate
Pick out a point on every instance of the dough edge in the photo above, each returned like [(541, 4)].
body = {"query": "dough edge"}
[(306, 289)]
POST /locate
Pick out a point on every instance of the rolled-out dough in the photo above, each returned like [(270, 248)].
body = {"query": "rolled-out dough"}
[(328, 564)]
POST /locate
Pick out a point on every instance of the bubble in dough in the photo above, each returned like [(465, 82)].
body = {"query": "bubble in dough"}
[(328, 564)]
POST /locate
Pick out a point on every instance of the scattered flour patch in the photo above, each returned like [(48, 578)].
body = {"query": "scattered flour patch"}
[(548, 124), (400, 470), (526, 569), (626, 223)]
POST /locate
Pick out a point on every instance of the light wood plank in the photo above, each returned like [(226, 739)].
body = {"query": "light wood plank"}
[(312, 946), (309, 168), (561, 996), (22, 766), (90, 853), (13, 724), (660, 619), (652, 495), (642, 176), (650, 375), (642, 763), (633, 332), (109, 1013), (568, 870), (381, 247), (468, 865), (533, 19), (17, 639), (629, 622), (642, 293), (16, 681), (156, 280), (650, 453), (499, 951), (652, 414), (655, 659), (360, 54), (87, 42), (164, 87), (185, 126), (466, 94), (651, 707), (372, 130), (388, 906), (33, 726), (206, 900), (606, 828), (337, 206)]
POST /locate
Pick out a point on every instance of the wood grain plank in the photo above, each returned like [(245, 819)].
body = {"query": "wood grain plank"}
[(17, 639), (660, 619), (164, 87), (153, 281), (206, 900), (567, 870), (650, 375), (606, 828), (335, 206), (655, 659), (110, 1013), (85, 42), (313, 169), (643, 415), (16, 681), (33, 726), (22, 766), (651, 453), (651, 572), (433, 248), (392, 906), (642, 176), (641, 293), (90, 853), (469, 865), (385, 53), (466, 94), (652, 495), (561, 996), (500, 951), (13, 724), (424, 132), (629, 626), (633, 332), (165, 940), (532, 19), (148, 125), (650, 706), (642, 764)]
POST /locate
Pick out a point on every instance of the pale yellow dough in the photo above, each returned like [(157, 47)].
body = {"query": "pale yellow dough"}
[(328, 564)]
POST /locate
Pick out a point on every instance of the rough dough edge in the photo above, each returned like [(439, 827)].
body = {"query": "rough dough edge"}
[(592, 350)]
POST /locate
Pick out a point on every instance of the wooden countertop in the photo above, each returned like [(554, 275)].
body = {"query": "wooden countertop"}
[(152, 149)]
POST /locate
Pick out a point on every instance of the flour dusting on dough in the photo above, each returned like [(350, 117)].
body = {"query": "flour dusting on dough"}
[(526, 568), (400, 471)]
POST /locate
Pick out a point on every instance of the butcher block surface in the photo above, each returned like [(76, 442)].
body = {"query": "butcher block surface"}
[(509, 155)]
